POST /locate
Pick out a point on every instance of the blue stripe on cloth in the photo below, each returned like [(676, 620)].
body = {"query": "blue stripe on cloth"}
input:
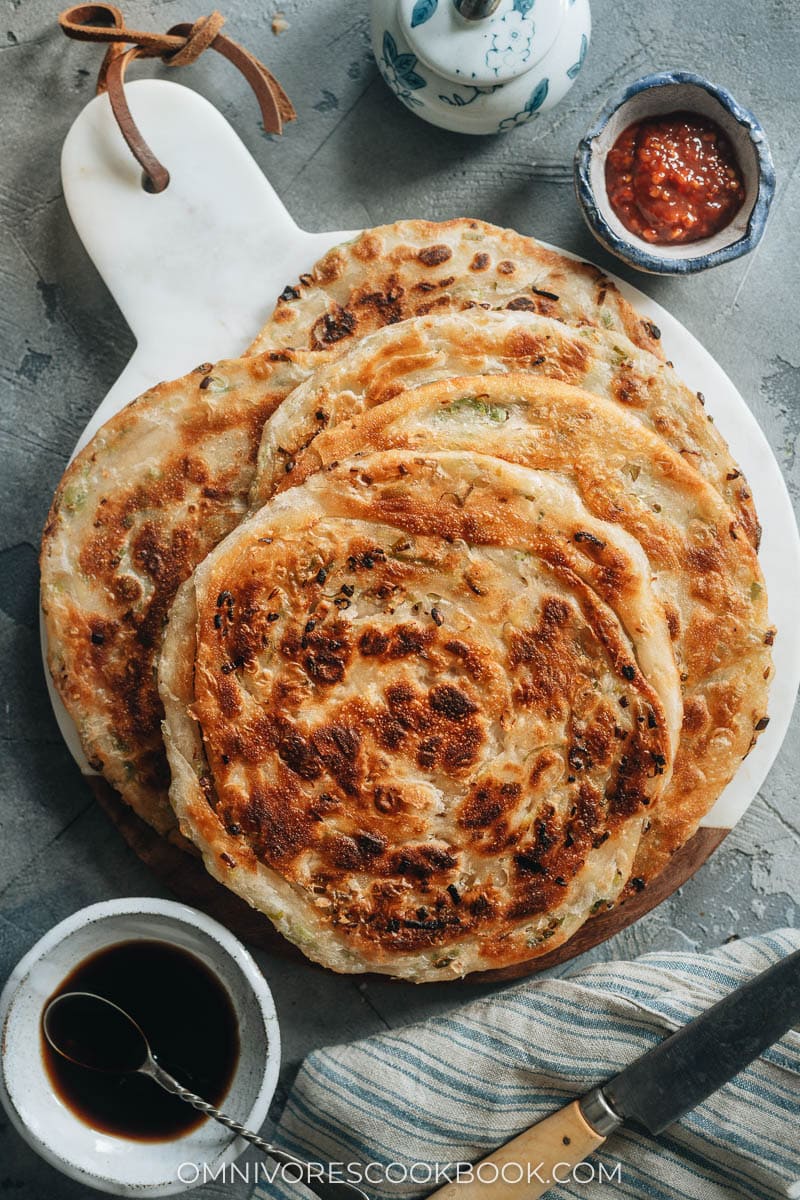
[(454, 1087)]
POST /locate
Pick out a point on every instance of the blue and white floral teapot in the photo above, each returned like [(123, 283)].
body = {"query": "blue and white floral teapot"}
[(480, 66)]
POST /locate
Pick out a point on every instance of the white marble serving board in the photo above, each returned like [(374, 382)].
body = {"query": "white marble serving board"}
[(196, 269)]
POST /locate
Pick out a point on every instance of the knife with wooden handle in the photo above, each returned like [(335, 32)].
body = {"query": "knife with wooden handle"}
[(654, 1091)]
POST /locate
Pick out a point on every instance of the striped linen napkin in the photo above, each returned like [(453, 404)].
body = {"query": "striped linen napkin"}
[(453, 1088)]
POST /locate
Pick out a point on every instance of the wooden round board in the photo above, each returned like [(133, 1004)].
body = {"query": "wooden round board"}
[(204, 298)]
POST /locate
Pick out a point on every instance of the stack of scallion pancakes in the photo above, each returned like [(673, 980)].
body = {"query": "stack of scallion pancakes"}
[(434, 623)]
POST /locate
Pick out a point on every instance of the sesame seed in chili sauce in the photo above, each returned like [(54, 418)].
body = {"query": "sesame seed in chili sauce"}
[(674, 178)]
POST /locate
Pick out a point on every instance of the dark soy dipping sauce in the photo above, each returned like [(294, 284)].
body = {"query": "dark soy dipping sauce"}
[(187, 1017)]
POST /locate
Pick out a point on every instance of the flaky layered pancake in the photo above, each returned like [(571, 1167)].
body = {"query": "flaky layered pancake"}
[(703, 569), (476, 342), (156, 488), (416, 712), (413, 268)]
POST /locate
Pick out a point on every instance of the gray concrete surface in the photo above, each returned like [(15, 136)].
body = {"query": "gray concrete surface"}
[(355, 157)]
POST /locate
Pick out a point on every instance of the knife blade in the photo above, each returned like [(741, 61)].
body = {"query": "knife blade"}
[(696, 1060)]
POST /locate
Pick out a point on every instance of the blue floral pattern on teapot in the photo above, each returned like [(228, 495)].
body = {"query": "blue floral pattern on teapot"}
[(477, 107)]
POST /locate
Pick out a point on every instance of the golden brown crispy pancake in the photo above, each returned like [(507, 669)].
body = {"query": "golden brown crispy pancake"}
[(413, 268), (416, 710), (156, 488)]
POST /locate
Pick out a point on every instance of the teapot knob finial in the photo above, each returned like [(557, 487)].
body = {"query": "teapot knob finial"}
[(474, 10)]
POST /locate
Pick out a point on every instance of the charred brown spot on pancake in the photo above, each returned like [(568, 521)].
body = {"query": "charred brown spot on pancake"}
[(523, 344), (409, 933), (451, 703), (547, 651), (275, 823), (126, 589), (487, 801), (627, 794), (249, 740), (480, 262), (299, 754), (388, 800), (381, 308), (673, 621), (704, 559), (630, 389), (420, 862), (100, 631), (563, 358), (335, 325), (438, 730), (408, 640), (538, 865), (368, 247), (431, 305), (434, 256), (452, 749), (356, 852), (569, 361), (521, 304), (407, 706), (324, 805), (324, 651), (595, 745), (506, 267), (390, 731), (373, 642), (337, 747), (695, 714), (333, 265), (228, 697)]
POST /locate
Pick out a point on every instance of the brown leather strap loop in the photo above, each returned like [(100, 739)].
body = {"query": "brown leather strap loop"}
[(156, 175), (181, 45)]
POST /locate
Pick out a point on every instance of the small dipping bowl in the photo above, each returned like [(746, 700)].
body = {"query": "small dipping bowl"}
[(122, 1166), (659, 95)]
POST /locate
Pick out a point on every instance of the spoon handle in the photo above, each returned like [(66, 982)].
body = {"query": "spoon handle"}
[(170, 1084), (314, 1179)]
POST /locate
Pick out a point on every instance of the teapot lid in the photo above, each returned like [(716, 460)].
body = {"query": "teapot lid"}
[(482, 50)]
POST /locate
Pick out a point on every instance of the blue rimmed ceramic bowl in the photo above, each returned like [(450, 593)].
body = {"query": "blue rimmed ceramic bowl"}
[(656, 95)]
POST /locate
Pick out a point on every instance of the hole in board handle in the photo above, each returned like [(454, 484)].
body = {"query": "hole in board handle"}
[(150, 187)]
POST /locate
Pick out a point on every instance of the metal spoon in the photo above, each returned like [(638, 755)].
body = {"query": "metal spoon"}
[(112, 1042)]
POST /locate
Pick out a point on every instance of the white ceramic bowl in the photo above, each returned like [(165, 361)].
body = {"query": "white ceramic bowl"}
[(114, 1164)]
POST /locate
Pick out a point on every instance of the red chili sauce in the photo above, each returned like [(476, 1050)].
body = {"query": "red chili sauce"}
[(674, 178)]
